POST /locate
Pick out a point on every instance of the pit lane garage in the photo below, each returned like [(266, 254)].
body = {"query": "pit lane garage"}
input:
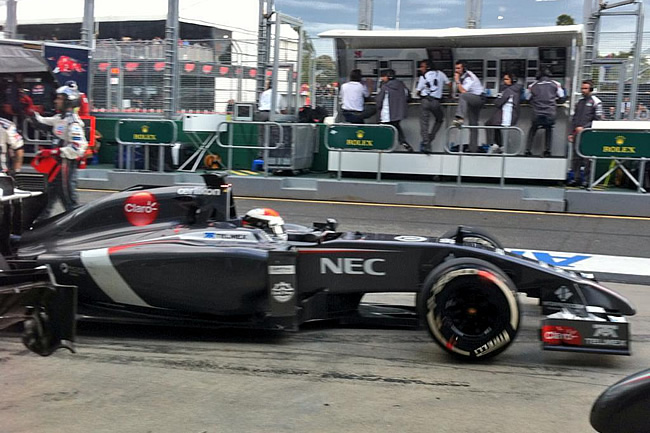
[(181, 255)]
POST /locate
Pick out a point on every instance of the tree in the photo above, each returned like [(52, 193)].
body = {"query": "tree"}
[(325, 70), (565, 20), (308, 52)]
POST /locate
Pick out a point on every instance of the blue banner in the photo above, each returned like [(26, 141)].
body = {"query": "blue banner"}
[(68, 63)]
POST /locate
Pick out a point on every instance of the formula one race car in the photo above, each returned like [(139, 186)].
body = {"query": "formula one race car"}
[(180, 255)]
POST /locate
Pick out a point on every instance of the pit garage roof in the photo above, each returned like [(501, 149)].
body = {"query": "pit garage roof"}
[(550, 36)]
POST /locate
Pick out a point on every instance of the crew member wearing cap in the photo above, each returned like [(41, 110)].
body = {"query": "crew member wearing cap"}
[(69, 146)]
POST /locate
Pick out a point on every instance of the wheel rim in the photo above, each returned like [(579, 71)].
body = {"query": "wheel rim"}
[(471, 314)]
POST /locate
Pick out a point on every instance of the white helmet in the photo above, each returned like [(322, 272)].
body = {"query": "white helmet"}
[(266, 219), (71, 96)]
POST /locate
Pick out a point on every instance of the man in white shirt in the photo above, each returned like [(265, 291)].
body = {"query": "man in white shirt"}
[(353, 98), (470, 101), (430, 87), (265, 102), (264, 107)]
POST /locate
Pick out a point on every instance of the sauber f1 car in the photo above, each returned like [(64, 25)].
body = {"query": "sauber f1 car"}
[(181, 255)]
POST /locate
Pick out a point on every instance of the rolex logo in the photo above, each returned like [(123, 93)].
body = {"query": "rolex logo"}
[(144, 129), (360, 133), (620, 139)]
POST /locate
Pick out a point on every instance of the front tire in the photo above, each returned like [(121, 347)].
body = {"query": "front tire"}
[(470, 308)]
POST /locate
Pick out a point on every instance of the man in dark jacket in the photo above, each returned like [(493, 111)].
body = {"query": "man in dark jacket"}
[(392, 104), (543, 95), (507, 110), (588, 109)]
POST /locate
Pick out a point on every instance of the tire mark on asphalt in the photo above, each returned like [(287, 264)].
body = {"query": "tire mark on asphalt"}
[(210, 366)]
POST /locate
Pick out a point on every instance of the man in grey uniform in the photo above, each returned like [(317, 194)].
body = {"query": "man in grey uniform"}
[(543, 94)]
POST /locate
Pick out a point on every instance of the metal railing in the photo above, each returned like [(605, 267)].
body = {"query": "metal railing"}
[(504, 154), (617, 163), (129, 165), (231, 140), (340, 150)]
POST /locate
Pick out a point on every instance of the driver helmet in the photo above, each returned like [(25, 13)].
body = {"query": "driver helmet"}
[(266, 219), (71, 95)]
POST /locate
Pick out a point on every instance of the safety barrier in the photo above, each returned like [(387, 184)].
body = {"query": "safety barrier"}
[(610, 145), (231, 143), (360, 143), (503, 155), (146, 133)]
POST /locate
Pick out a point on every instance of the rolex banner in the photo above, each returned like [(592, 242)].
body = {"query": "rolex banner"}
[(360, 137), (615, 144)]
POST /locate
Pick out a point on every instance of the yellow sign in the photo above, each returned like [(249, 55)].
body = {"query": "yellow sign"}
[(619, 149), (145, 134), (359, 141)]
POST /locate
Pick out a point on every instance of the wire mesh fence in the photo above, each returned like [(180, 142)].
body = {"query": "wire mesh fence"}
[(128, 76)]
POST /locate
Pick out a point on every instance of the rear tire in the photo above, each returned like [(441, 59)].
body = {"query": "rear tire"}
[(470, 308)]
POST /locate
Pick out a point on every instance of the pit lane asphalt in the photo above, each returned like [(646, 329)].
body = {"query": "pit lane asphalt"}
[(327, 378)]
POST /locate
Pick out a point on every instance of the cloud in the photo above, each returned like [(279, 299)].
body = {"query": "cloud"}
[(316, 5)]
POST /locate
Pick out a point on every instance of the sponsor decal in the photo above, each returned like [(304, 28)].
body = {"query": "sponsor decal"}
[(282, 270), (282, 292), (351, 266), (230, 236), (198, 190), (359, 140), (619, 148), (563, 293), (608, 331), (144, 134), (411, 238), (557, 335), (141, 208), (500, 340)]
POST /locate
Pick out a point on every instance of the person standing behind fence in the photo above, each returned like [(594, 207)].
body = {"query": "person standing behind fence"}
[(392, 104), (264, 114), (69, 145), (507, 111), (543, 94), (587, 109), (430, 86), (353, 99), (470, 101)]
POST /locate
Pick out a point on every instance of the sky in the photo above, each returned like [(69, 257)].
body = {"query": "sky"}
[(319, 16)]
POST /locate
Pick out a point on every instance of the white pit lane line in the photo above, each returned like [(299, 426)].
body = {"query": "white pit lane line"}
[(625, 269)]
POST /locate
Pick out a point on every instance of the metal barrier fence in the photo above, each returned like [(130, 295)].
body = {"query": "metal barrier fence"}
[(340, 150), (617, 163), (265, 147), (127, 76), (504, 154)]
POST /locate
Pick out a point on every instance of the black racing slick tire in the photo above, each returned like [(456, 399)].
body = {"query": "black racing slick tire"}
[(470, 308), (471, 235)]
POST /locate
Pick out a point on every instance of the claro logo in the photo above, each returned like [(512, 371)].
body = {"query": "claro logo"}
[(351, 266), (141, 209)]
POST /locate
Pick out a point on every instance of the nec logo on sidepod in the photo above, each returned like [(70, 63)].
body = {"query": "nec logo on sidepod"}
[(141, 209)]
